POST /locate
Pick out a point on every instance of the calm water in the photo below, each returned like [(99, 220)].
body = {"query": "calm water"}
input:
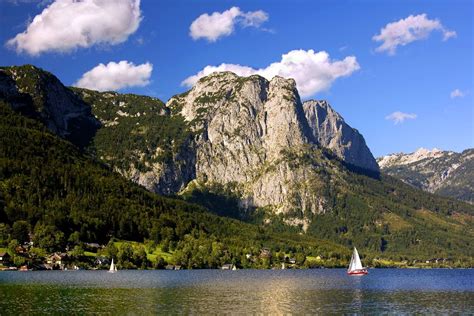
[(389, 291)]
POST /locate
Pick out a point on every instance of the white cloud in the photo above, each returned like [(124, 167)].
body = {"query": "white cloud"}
[(220, 24), (68, 24), (312, 71), (400, 117), (253, 18), (410, 29), (116, 76), (456, 93)]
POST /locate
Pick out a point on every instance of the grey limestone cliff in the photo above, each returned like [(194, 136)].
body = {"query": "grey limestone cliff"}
[(246, 129), (331, 131)]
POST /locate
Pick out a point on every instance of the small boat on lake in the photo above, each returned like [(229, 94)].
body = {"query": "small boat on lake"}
[(113, 267), (355, 267)]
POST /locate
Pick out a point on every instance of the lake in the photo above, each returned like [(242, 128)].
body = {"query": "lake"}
[(328, 291)]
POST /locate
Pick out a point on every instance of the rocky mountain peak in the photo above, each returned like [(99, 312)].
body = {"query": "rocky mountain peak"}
[(331, 131), (405, 159), (256, 135)]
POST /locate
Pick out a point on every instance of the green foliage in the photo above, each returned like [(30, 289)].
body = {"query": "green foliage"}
[(48, 237), (20, 230), (4, 234), (111, 251), (77, 251), (12, 245), (137, 130), (217, 198), (32, 81)]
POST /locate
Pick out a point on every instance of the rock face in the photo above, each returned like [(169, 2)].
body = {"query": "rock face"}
[(246, 130), (40, 94), (331, 131), (442, 172), (252, 136)]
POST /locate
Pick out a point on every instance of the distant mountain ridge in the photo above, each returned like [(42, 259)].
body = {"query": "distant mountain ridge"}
[(446, 173)]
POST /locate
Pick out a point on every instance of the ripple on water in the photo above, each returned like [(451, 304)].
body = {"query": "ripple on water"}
[(243, 291)]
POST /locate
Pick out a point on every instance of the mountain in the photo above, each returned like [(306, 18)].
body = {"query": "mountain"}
[(141, 140), (41, 95), (248, 148), (441, 172), (249, 134), (331, 131), (240, 133), (254, 136), (65, 198)]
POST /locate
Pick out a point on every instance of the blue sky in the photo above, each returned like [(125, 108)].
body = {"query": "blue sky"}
[(417, 79)]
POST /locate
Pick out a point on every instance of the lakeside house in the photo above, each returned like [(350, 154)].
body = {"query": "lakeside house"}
[(100, 261), (4, 258), (57, 260)]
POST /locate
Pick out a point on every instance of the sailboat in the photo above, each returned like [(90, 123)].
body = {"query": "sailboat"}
[(113, 267), (355, 267)]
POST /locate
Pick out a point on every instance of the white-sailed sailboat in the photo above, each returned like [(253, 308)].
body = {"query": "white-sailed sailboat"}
[(355, 267), (113, 267)]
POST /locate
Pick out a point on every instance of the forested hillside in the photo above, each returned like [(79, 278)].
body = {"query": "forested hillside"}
[(54, 194)]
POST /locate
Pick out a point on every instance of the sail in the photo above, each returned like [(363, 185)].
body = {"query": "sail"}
[(112, 267), (355, 262)]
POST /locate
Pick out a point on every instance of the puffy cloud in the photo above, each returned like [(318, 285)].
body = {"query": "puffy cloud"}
[(410, 29), (456, 93), (220, 24), (312, 71), (68, 24), (400, 117), (116, 76)]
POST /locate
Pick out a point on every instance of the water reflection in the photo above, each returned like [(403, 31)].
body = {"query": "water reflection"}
[(241, 292)]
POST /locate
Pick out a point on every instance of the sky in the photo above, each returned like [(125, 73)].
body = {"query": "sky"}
[(400, 72)]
